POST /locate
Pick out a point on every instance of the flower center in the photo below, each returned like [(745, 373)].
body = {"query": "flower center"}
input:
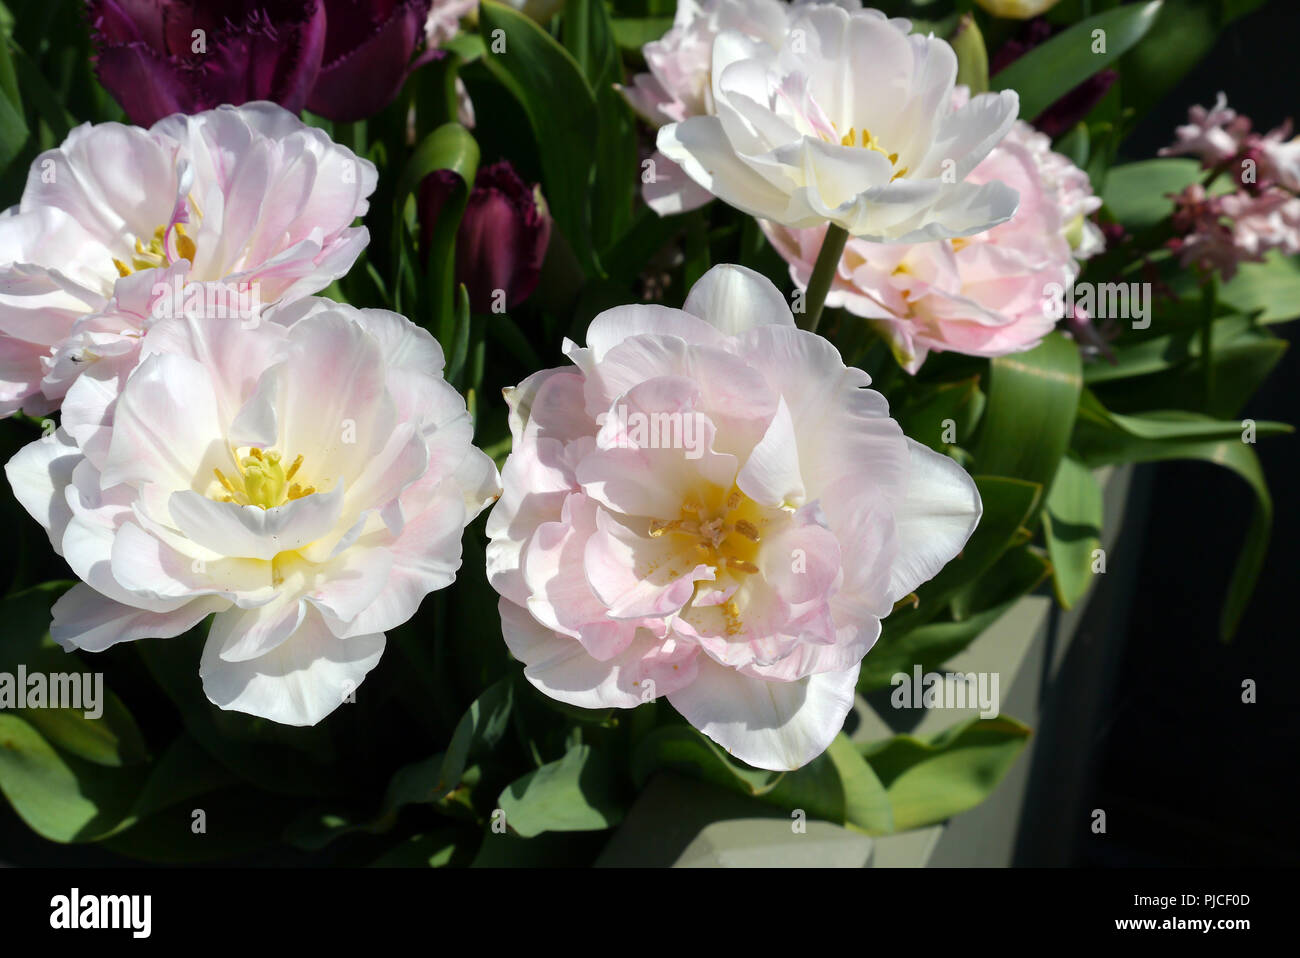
[(156, 253), (261, 480), (724, 535), (870, 142)]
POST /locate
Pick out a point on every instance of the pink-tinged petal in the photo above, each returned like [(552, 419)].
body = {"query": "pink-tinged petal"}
[(345, 587), (970, 132), (235, 363), (724, 387), (560, 597), (479, 482), (300, 681), (733, 299), (843, 429), (669, 667), (115, 180), (424, 558), (560, 667), (252, 532), (21, 371), (145, 564), (554, 410), (654, 482), (802, 560), (88, 539), (85, 619), (403, 460), (89, 406), (334, 406), (535, 480), (670, 190), (166, 427), (613, 326), (770, 476), (240, 635), (39, 475), (773, 725), (941, 510), (636, 576), (700, 146)]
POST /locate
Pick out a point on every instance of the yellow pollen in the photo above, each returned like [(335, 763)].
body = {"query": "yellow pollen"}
[(869, 142), (155, 254), (261, 480), (722, 530)]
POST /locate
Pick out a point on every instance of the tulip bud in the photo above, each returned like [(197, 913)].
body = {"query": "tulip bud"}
[(1016, 9), (502, 237)]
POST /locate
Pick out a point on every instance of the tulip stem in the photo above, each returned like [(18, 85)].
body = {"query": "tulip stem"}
[(819, 284)]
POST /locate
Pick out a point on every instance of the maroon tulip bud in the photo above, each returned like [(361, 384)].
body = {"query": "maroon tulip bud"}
[(502, 237)]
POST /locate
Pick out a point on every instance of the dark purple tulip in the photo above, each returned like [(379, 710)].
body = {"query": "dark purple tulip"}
[(369, 45), (1062, 115), (153, 62), (343, 59), (502, 237)]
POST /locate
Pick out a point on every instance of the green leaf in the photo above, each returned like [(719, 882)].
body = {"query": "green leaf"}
[(686, 749), (13, 128), (929, 781), (433, 850), (1105, 438), (561, 109), (588, 35), (925, 416), (1239, 368), (8, 78), (837, 786), (574, 794), (1138, 194), (449, 147), (1072, 526), (1032, 398), (1183, 33), (1271, 288), (113, 738), (62, 798), (632, 33), (1154, 354), (1048, 72), (1160, 424), (1017, 572), (478, 732)]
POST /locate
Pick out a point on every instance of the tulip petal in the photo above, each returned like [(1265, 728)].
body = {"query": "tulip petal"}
[(773, 725)]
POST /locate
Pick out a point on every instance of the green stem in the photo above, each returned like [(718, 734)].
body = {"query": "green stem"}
[(819, 284)]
